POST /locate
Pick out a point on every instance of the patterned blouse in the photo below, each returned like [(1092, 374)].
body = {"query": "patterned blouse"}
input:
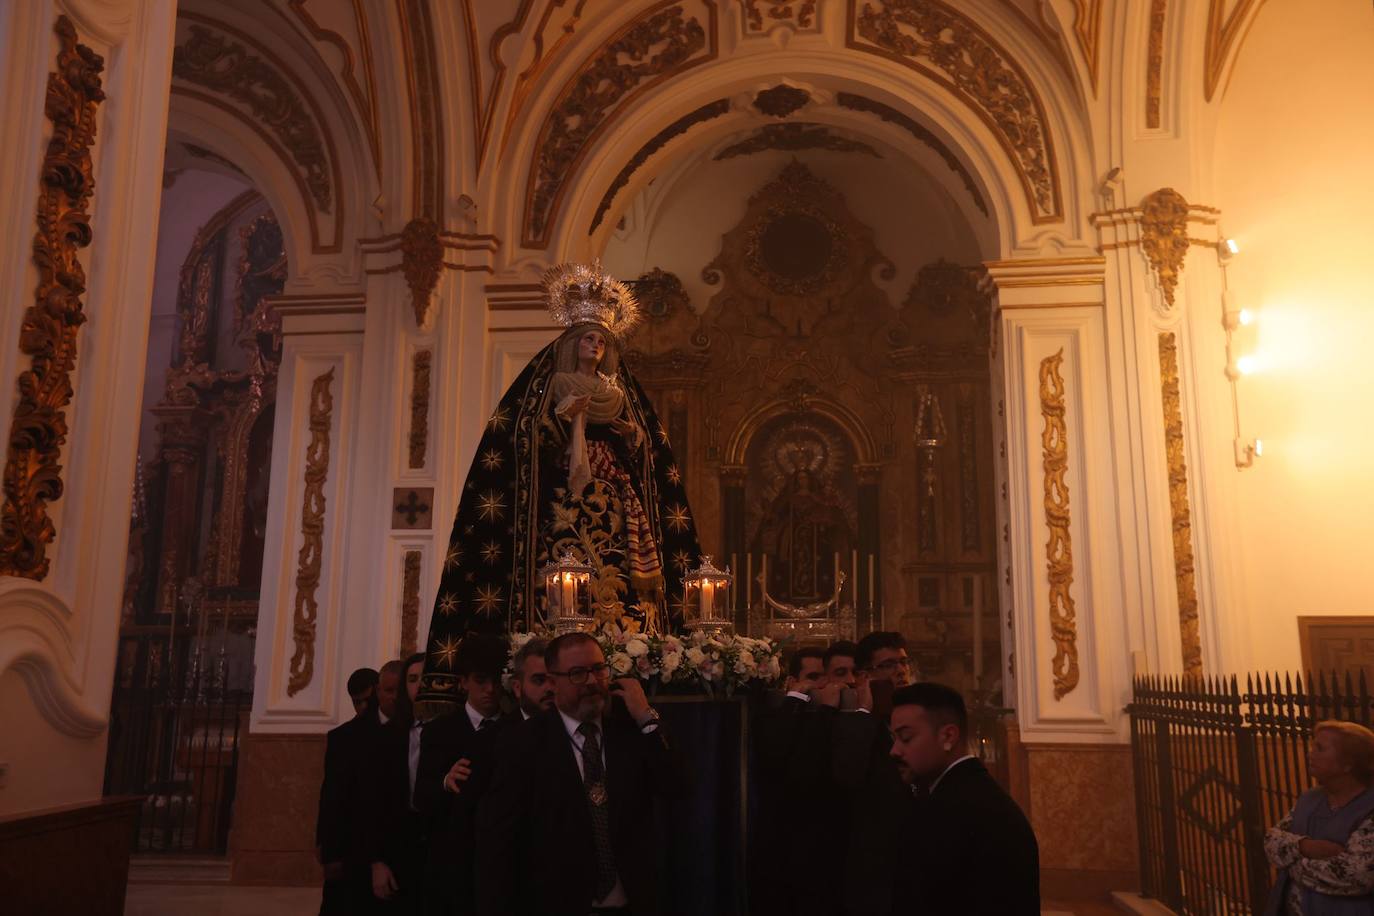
[(1350, 874)]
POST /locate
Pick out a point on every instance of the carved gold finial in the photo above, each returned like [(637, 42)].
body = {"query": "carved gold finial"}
[(586, 294), (1164, 237)]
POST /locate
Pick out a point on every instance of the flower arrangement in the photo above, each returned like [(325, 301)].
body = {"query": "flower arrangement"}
[(698, 662)]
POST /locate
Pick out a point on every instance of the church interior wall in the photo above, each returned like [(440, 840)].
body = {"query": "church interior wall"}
[(1292, 175), (1287, 173)]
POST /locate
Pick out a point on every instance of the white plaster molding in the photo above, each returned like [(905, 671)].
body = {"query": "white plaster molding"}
[(107, 21), (303, 360), (1092, 711), (54, 633)]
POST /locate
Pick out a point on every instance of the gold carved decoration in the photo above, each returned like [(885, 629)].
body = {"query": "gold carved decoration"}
[(762, 16), (47, 333), (422, 260), (425, 95), (781, 100), (225, 67), (1188, 627), (934, 39), (312, 533), (1087, 19), (795, 138), (419, 408), (656, 45), (410, 602), (1059, 548), (1154, 63), (1164, 237)]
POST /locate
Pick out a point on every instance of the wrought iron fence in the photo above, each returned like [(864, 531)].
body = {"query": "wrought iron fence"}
[(1215, 767), (174, 739)]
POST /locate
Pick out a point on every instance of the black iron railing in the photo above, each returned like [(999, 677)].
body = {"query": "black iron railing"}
[(1216, 766), (174, 739)]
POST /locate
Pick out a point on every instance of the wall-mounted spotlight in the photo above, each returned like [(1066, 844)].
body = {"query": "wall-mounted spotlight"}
[(1232, 319), (1247, 452)]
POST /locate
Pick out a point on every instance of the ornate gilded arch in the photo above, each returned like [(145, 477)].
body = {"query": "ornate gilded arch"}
[(664, 41), (934, 39), (866, 451), (223, 67)]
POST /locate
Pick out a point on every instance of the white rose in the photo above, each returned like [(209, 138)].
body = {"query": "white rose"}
[(636, 647), (620, 664), (670, 662), (744, 664), (695, 657)]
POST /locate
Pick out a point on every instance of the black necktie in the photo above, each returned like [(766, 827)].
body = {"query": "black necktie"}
[(594, 781), (485, 724)]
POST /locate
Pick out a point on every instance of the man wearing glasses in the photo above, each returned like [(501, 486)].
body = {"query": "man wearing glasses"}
[(563, 826)]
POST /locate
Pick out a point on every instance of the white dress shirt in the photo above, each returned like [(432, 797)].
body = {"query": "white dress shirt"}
[(414, 761), (798, 695), (476, 718), (616, 897)]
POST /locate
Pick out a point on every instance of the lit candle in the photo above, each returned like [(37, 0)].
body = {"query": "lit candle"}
[(708, 595), (568, 598)]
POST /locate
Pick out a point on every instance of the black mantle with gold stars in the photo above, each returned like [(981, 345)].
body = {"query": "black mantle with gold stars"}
[(500, 537)]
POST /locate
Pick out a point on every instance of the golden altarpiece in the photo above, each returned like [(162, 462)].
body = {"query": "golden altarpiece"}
[(834, 442)]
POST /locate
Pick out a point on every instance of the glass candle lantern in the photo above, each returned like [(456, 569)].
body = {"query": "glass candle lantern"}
[(567, 594), (706, 597)]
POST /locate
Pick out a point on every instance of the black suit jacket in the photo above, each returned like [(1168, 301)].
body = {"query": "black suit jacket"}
[(452, 819), (969, 850), (395, 830), (798, 818), (341, 825), (879, 805), (537, 856)]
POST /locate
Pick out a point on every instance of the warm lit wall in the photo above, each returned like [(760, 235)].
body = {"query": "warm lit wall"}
[(1293, 183)]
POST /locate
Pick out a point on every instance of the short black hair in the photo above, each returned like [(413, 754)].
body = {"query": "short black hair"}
[(794, 664), (841, 648), (361, 681), (482, 654), (567, 639), (872, 643), (944, 705), (538, 645)]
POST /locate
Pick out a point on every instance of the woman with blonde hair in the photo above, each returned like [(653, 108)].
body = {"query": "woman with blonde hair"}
[(1324, 848)]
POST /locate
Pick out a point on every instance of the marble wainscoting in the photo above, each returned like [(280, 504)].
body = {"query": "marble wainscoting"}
[(272, 840), (1082, 806)]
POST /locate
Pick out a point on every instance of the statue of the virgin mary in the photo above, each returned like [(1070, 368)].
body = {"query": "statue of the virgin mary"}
[(573, 458)]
